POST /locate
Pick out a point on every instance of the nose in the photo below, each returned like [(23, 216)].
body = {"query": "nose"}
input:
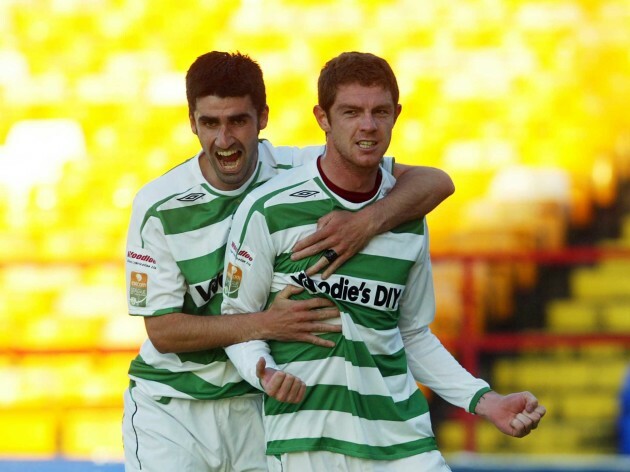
[(368, 122), (224, 137)]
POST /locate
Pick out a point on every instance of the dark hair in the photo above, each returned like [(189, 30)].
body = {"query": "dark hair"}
[(354, 67), (225, 75)]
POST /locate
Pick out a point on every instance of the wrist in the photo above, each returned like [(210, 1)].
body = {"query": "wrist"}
[(254, 326), (485, 402), (376, 218)]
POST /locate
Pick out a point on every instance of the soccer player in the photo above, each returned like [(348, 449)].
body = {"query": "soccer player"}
[(357, 406), (187, 408)]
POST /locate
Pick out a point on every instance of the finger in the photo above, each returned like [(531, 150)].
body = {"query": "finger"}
[(275, 383), (310, 317), (297, 392), (285, 392), (538, 412), (290, 290), (535, 417), (317, 341), (317, 267), (324, 220), (293, 391), (260, 367), (315, 303), (532, 402), (284, 387), (322, 328), (334, 266), (312, 244), (521, 425), (301, 393)]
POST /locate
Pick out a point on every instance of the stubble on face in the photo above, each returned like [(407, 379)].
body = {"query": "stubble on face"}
[(359, 128), (227, 129)]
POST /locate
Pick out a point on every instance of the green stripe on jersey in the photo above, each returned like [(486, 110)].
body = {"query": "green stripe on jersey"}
[(196, 270), (289, 215), (414, 226), (355, 352), (371, 267), (204, 357), (213, 307), (394, 452), (188, 382), (339, 398), (192, 217)]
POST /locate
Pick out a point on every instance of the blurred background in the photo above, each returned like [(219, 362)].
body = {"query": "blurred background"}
[(523, 102)]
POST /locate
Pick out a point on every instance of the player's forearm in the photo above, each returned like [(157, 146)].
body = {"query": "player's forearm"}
[(180, 332), (432, 365), (417, 192)]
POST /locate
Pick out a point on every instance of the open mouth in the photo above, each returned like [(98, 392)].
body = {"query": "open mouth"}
[(228, 160)]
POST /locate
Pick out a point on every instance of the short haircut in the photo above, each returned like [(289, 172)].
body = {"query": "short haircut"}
[(354, 67), (225, 75)]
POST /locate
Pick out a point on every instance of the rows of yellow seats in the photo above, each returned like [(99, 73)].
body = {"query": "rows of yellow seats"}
[(486, 85)]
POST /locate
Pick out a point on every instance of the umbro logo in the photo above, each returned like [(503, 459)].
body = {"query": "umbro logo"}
[(191, 197), (304, 193)]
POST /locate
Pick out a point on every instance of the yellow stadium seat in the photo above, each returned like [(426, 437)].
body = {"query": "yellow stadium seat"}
[(451, 436), (123, 331), (616, 316), (93, 434), (571, 316), (590, 405), (28, 433), (56, 332), (488, 439), (597, 284)]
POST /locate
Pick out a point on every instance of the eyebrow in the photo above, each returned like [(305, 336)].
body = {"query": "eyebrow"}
[(209, 118), (382, 106)]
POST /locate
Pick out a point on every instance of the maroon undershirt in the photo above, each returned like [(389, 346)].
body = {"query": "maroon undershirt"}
[(354, 197)]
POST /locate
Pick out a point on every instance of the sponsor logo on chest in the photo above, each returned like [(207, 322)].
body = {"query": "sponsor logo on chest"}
[(368, 293)]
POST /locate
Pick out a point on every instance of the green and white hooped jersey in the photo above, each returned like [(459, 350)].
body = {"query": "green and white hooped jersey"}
[(362, 398), (175, 256)]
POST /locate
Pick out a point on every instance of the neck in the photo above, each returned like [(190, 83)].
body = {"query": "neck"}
[(355, 196), (348, 176)]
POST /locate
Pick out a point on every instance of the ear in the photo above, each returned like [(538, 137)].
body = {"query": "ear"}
[(322, 118), (263, 119), (193, 125), (397, 112)]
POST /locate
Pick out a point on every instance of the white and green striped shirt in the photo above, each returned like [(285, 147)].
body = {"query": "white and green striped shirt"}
[(175, 255), (362, 398)]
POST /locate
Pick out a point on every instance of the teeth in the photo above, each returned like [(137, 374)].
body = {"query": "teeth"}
[(366, 144), (229, 165), (226, 153)]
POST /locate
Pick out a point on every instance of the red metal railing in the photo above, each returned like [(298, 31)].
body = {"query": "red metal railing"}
[(476, 342)]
